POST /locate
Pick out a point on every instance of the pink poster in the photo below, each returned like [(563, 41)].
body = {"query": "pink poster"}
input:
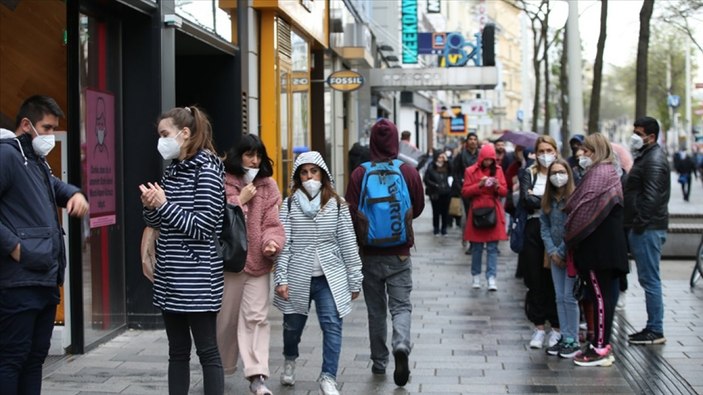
[(100, 155)]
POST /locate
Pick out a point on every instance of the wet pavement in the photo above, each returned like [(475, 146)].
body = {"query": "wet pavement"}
[(465, 341)]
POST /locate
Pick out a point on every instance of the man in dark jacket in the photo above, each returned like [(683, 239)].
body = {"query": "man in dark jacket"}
[(646, 193), (32, 252), (686, 167), (388, 270)]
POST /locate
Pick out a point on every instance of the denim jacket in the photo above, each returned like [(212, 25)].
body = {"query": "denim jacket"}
[(552, 228)]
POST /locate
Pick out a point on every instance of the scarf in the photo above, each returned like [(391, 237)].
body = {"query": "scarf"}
[(599, 191), (309, 207)]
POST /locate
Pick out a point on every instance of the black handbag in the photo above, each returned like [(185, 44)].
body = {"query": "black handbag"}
[(484, 217), (232, 242)]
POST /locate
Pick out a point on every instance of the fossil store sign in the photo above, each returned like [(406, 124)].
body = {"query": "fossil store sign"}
[(345, 80)]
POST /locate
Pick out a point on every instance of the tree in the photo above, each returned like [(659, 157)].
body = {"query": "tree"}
[(564, 94), (594, 110), (681, 14), (539, 17), (642, 55)]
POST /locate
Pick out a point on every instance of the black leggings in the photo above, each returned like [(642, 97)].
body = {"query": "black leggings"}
[(604, 287), (203, 326)]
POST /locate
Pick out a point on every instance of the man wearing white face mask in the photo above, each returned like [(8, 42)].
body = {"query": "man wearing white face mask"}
[(32, 251), (647, 216)]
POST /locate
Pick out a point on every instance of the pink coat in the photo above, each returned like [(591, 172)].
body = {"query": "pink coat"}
[(483, 197), (262, 220)]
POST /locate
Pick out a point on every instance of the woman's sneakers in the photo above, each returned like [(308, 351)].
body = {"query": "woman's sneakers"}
[(288, 374), (564, 349), (257, 385), (594, 356), (538, 336)]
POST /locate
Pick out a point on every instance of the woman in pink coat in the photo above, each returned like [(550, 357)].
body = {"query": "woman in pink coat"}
[(484, 184), (242, 325)]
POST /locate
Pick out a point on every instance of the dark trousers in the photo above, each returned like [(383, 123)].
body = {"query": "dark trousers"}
[(203, 326), (26, 322), (440, 214), (605, 290), (540, 301), (686, 186)]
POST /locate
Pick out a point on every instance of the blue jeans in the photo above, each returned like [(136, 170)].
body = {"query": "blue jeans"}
[(330, 323), (491, 258), (26, 322), (567, 306), (646, 248), (387, 285)]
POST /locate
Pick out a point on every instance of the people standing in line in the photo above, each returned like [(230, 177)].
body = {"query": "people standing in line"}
[(187, 208), (466, 157), (540, 301), (438, 189), (596, 242), (319, 262), (484, 185), (242, 324), (32, 250), (388, 270), (686, 167), (552, 220), (647, 216)]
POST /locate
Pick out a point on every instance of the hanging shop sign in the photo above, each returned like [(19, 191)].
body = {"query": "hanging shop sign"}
[(345, 80)]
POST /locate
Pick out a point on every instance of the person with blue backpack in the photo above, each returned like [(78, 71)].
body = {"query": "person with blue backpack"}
[(384, 196)]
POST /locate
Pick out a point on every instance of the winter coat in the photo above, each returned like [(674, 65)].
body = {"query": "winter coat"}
[(29, 194), (189, 274), (263, 224), (647, 191), (437, 181), (330, 236), (484, 196)]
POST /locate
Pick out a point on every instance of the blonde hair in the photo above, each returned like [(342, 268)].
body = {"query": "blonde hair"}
[(550, 190), (600, 146), (549, 140)]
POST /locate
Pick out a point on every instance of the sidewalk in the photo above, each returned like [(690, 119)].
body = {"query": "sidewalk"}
[(466, 341)]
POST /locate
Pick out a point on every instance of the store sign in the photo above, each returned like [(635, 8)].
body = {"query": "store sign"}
[(345, 80), (409, 31), (434, 7)]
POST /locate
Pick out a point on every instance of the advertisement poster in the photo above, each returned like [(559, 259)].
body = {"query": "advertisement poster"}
[(100, 156)]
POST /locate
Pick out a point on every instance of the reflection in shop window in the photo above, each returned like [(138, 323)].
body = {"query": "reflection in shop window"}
[(206, 14)]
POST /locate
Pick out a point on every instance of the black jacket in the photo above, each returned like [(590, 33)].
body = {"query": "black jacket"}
[(436, 181), (647, 191)]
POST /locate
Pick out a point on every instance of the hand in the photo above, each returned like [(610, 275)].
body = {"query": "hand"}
[(153, 196), (483, 181), (557, 260), (77, 205), (355, 295), (271, 248), (247, 193), (15, 254), (282, 291)]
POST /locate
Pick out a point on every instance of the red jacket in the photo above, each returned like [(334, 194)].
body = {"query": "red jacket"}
[(484, 196)]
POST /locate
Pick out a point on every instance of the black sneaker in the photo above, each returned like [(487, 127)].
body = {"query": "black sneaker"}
[(377, 369), (554, 350), (569, 350), (636, 334), (647, 337), (402, 371)]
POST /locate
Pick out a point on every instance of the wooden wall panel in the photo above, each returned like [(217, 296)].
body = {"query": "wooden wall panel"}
[(32, 55)]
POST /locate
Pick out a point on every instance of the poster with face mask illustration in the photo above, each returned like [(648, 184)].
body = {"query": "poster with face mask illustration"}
[(100, 155)]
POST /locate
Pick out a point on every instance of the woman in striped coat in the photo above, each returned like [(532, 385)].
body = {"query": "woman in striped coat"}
[(319, 261), (187, 208)]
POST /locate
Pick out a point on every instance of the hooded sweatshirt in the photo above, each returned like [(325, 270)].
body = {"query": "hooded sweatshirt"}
[(384, 147)]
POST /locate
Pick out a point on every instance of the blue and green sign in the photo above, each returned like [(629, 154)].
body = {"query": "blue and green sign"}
[(409, 31)]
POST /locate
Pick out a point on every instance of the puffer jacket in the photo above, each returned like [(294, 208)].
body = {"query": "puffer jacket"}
[(647, 191), (29, 194)]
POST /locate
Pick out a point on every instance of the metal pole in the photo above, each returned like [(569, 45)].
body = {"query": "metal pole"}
[(574, 56), (688, 130)]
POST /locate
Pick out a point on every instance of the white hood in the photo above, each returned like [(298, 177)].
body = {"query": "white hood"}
[(7, 134)]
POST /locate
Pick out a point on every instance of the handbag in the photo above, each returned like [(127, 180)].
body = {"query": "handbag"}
[(455, 204), (232, 244), (579, 289), (483, 217), (517, 230)]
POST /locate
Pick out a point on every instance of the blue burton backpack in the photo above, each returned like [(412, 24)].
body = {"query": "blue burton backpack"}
[(384, 216)]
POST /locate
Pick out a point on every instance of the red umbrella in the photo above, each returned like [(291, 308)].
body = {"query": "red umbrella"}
[(518, 137)]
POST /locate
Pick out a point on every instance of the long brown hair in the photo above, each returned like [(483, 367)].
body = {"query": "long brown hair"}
[(197, 121), (327, 190), (551, 191)]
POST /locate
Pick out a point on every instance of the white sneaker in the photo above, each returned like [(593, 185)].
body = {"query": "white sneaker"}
[(537, 340), (288, 374), (553, 338), (477, 282), (328, 385), (492, 284)]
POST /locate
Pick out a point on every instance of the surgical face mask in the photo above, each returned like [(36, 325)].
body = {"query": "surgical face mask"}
[(546, 159), (250, 174), (312, 186), (559, 180), (42, 144), (636, 142), (585, 162), (101, 136), (169, 148)]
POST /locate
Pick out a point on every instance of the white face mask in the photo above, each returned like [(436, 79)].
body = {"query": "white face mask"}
[(585, 162), (101, 136), (169, 147), (636, 142), (250, 174), (559, 180), (546, 159), (312, 186), (42, 144)]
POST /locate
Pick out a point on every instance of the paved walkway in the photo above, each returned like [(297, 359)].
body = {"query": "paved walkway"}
[(466, 341)]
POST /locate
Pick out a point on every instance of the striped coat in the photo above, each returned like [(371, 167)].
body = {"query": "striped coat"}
[(188, 276), (331, 236)]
